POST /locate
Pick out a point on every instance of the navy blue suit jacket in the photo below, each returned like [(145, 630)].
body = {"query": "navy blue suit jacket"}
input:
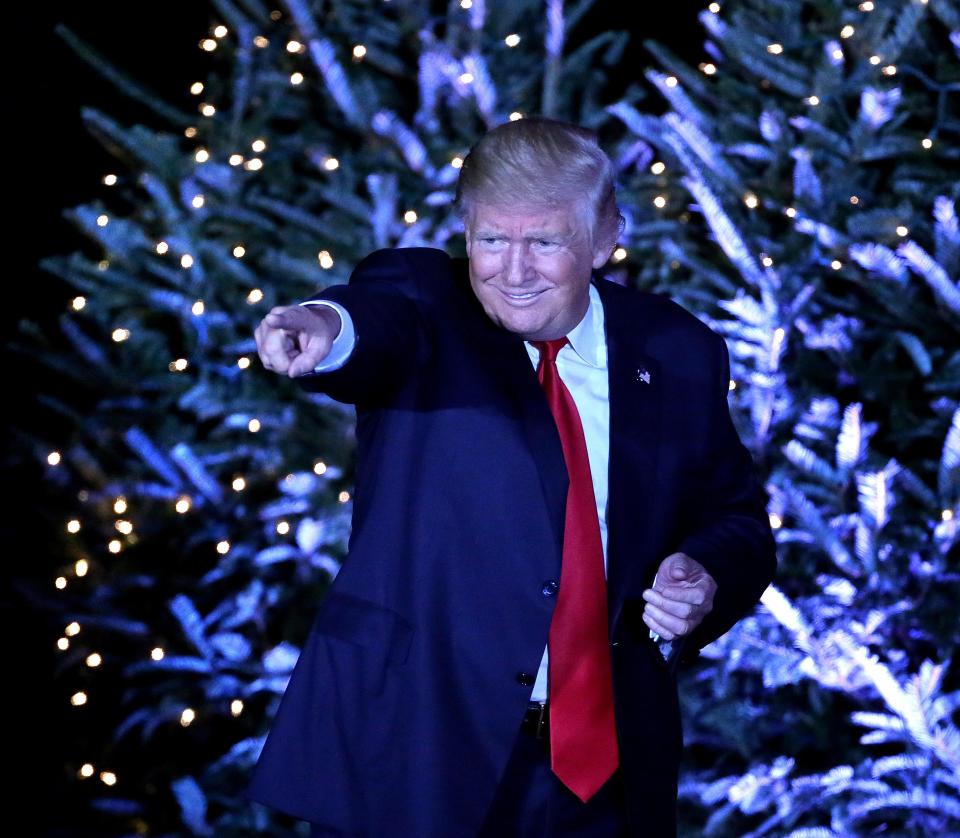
[(401, 713)]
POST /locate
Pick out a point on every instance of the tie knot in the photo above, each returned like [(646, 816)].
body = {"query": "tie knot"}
[(548, 349)]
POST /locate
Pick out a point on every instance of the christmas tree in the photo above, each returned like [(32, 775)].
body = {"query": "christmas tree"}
[(794, 194)]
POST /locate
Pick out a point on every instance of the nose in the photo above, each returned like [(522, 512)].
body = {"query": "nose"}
[(517, 269)]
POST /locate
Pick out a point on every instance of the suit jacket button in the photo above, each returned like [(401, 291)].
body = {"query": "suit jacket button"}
[(526, 679), (549, 587)]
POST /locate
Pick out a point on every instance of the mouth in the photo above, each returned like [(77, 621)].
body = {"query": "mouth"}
[(521, 299)]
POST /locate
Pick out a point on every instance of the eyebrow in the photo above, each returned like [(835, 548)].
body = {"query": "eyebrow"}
[(533, 234)]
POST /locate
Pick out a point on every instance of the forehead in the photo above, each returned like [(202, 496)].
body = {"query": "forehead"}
[(523, 220)]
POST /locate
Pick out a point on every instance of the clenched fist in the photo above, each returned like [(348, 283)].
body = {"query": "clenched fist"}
[(292, 340)]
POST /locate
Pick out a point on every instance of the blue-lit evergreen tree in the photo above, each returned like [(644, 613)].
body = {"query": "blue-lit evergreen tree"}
[(795, 195)]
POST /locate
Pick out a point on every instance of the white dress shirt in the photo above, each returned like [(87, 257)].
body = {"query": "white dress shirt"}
[(582, 365)]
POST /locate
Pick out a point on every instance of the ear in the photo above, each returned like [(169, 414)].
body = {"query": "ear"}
[(602, 253)]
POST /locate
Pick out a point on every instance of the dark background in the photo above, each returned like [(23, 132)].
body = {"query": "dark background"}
[(57, 164)]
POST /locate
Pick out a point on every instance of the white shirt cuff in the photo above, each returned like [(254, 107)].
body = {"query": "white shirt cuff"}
[(343, 343)]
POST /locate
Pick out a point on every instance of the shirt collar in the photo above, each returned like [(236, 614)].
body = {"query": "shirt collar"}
[(586, 338)]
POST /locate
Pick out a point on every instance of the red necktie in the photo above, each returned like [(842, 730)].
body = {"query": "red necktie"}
[(583, 737)]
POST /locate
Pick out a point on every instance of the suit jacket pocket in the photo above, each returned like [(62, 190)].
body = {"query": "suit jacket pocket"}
[(367, 624)]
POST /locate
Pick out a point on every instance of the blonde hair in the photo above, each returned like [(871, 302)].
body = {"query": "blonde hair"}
[(542, 162)]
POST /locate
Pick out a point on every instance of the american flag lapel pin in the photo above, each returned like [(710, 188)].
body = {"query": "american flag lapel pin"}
[(643, 375)]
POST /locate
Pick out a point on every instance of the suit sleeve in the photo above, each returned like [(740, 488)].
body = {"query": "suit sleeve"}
[(391, 338), (729, 533)]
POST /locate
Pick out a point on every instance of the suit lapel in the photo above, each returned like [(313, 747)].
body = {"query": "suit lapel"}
[(636, 392)]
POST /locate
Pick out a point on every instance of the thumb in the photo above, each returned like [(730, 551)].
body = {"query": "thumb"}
[(679, 568)]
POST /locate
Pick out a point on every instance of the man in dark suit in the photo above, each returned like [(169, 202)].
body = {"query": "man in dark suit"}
[(548, 485)]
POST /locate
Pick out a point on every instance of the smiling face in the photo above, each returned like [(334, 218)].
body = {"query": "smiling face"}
[(530, 267)]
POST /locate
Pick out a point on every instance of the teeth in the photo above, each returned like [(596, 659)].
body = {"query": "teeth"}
[(523, 296)]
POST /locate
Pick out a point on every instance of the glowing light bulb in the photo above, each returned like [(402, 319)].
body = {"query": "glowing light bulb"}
[(670, 81), (658, 168), (660, 201), (619, 254), (109, 180), (78, 699), (751, 200), (512, 39), (108, 778), (86, 770), (927, 143), (319, 467), (220, 31), (60, 582), (296, 78), (410, 216), (53, 458), (94, 660), (254, 164), (359, 51), (197, 201), (223, 547), (775, 521), (208, 44), (331, 164), (847, 31), (236, 707), (708, 69), (114, 546), (183, 504), (326, 260), (343, 497), (80, 567), (162, 247), (775, 49), (201, 156), (239, 251), (294, 46), (187, 717), (253, 426), (186, 261), (196, 88), (239, 484), (254, 296), (243, 362), (235, 159), (465, 78), (103, 220), (457, 162), (515, 115), (836, 264), (157, 653), (902, 231), (208, 109)]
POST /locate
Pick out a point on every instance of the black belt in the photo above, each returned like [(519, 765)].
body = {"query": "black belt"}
[(536, 720)]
